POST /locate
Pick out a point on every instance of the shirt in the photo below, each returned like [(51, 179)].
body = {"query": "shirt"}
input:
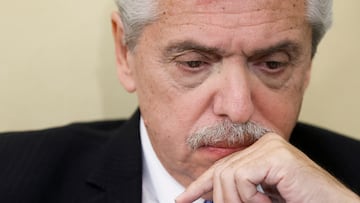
[(158, 185)]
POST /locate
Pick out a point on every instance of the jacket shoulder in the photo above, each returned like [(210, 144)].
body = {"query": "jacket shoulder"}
[(34, 164), (337, 153), (53, 139)]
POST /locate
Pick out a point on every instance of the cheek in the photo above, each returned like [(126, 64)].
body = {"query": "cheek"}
[(280, 114), (280, 109), (162, 100), (166, 141)]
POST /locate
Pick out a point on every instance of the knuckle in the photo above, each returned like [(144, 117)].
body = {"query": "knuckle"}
[(217, 172), (240, 175), (223, 173)]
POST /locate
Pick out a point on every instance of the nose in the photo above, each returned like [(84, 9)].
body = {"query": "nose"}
[(233, 98)]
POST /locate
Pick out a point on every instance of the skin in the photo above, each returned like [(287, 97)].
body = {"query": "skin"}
[(205, 61)]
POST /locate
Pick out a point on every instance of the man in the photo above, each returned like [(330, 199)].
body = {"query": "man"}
[(220, 86)]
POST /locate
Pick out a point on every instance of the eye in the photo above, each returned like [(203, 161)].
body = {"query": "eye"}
[(193, 64), (272, 63), (270, 67), (274, 66), (273, 72)]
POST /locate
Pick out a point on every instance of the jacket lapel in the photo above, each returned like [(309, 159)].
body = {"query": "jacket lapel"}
[(118, 172)]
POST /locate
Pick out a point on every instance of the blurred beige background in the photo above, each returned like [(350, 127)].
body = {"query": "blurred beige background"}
[(57, 66)]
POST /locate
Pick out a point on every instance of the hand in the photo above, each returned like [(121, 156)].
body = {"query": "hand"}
[(273, 163)]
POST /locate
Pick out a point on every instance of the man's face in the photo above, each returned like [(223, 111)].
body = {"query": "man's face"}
[(206, 61)]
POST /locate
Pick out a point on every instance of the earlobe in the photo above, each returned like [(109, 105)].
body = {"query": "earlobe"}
[(124, 69)]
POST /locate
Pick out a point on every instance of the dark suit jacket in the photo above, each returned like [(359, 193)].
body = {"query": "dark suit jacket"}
[(102, 162)]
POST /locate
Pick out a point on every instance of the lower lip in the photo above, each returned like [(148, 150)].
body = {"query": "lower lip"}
[(220, 152)]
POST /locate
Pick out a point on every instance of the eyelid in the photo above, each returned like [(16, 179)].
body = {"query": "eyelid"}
[(269, 56), (208, 57)]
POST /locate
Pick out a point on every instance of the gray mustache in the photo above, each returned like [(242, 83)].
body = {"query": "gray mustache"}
[(227, 132)]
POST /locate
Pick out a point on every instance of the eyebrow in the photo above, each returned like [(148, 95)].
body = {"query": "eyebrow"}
[(292, 49), (189, 45)]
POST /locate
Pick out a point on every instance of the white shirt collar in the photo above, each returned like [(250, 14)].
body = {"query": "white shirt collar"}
[(158, 185)]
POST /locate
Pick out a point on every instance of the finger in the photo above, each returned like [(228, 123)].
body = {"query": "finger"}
[(245, 189), (217, 190), (198, 188), (224, 186), (256, 148), (202, 185), (247, 180)]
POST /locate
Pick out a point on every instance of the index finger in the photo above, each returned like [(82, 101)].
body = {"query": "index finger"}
[(198, 188)]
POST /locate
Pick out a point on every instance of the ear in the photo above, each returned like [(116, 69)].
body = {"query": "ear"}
[(307, 76), (124, 68)]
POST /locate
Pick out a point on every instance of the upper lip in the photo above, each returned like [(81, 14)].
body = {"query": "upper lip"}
[(227, 145)]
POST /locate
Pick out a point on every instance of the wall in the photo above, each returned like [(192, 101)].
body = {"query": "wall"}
[(333, 97), (57, 66)]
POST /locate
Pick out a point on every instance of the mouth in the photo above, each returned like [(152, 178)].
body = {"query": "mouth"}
[(220, 150), (227, 145)]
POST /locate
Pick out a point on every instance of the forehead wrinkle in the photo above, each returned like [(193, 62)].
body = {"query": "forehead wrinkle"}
[(233, 6), (231, 13), (231, 20), (238, 5), (231, 26)]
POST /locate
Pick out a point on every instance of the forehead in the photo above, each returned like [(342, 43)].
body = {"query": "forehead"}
[(232, 23), (234, 14), (233, 6)]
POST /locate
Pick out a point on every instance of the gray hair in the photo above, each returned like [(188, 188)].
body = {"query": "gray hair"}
[(227, 133), (136, 14), (319, 15)]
